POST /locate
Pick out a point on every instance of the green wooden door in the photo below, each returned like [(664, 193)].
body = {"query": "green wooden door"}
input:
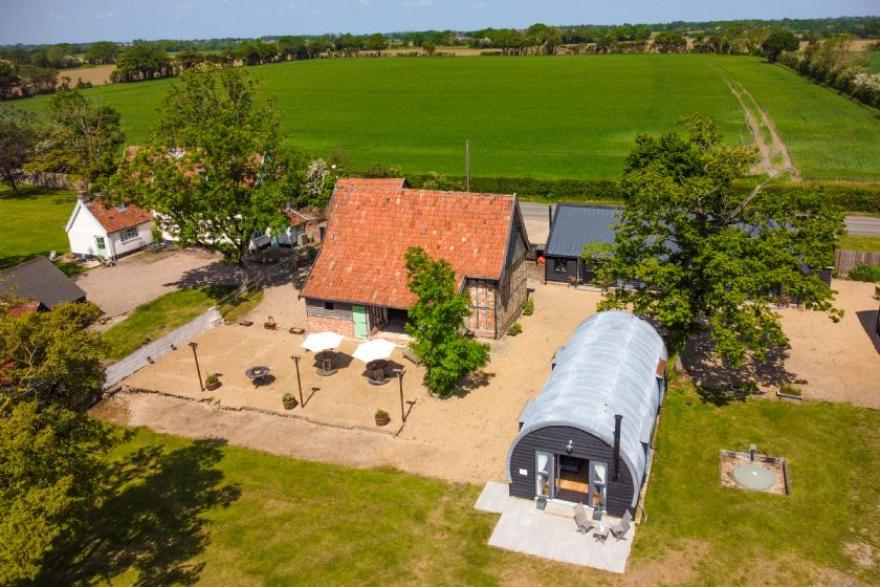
[(359, 316)]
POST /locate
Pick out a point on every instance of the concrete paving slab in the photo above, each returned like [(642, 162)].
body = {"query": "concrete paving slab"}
[(552, 533), (493, 497)]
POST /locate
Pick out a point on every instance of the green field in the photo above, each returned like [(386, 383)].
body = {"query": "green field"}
[(32, 223), (186, 512), (560, 117)]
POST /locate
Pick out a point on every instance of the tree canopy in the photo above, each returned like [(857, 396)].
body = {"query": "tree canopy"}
[(18, 139), (213, 171), (707, 255), (778, 42), (436, 322)]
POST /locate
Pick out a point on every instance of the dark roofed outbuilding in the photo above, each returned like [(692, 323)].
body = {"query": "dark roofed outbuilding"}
[(41, 281), (572, 227)]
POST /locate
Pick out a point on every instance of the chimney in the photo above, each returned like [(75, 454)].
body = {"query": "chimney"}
[(615, 460)]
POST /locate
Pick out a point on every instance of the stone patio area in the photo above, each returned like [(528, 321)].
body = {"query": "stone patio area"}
[(551, 533)]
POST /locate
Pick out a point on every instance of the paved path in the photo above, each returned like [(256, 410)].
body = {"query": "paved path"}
[(537, 222)]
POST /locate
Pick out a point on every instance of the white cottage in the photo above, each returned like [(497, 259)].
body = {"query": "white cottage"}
[(97, 228)]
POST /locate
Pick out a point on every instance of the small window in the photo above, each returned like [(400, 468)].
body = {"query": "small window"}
[(560, 266), (128, 234), (99, 241), (328, 305)]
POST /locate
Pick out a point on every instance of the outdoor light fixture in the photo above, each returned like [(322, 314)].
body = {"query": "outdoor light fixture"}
[(298, 380), (194, 346), (570, 446)]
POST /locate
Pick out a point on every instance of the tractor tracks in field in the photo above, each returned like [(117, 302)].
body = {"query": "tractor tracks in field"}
[(775, 160)]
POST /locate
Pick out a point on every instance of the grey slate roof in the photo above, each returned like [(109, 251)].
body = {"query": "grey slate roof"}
[(574, 226), (608, 367), (40, 280)]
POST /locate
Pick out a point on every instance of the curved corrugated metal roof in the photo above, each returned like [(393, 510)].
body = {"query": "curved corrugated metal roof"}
[(608, 367)]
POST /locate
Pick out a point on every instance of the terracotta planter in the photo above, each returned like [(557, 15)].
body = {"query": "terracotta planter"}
[(288, 402), (270, 325), (382, 419), (213, 385)]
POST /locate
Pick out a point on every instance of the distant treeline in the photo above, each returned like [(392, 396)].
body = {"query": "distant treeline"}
[(33, 69)]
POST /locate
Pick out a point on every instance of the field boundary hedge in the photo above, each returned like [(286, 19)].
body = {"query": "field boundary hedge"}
[(851, 196)]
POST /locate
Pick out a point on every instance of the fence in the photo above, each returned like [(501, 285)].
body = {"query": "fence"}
[(845, 260), (152, 351), (44, 179)]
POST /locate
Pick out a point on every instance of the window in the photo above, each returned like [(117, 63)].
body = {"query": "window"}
[(99, 241), (328, 306), (560, 266), (128, 234)]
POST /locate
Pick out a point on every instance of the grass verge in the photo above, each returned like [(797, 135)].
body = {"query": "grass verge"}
[(172, 310), (865, 244)]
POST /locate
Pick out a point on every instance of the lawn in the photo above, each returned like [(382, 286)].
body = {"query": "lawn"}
[(865, 244), (569, 117), (32, 223), (201, 511), (154, 319), (874, 61)]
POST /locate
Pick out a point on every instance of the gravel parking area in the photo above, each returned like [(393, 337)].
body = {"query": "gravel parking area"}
[(142, 277)]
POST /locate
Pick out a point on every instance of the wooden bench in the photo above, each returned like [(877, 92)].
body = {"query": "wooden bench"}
[(409, 355)]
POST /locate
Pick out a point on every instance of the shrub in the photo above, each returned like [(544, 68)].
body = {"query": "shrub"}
[(515, 328), (211, 379), (528, 307), (789, 389), (862, 272), (381, 414)]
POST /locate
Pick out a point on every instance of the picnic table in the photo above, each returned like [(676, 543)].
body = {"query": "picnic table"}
[(257, 375), (325, 359)]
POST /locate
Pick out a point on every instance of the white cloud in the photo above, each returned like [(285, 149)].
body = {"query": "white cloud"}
[(417, 3)]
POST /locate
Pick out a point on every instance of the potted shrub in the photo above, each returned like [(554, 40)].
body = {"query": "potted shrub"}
[(288, 401), (212, 382), (515, 328), (382, 418), (270, 324)]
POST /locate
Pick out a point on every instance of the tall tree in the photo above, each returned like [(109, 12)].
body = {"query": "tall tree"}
[(102, 52), (9, 79), (18, 138), (212, 171), (83, 139), (709, 256), (436, 322), (779, 42), (50, 356), (376, 42)]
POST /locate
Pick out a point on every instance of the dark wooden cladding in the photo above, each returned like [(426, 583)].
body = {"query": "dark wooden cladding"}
[(553, 269), (340, 311), (619, 494)]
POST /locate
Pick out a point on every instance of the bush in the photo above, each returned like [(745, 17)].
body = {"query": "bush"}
[(381, 414), (789, 389), (211, 379), (862, 272), (515, 328), (528, 307)]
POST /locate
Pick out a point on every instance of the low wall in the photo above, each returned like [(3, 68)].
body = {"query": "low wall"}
[(845, 260), (152, 351), (45, 179)]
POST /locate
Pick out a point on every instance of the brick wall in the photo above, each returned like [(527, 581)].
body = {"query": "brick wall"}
[(322, 323)]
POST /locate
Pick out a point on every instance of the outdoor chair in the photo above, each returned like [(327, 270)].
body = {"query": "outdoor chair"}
[(619, 530), (583, 521)]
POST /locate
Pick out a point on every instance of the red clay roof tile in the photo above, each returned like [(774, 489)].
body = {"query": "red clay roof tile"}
[(374, 221), (114, 219)]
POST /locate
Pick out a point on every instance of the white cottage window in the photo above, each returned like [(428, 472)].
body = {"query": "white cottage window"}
[(128, 234)]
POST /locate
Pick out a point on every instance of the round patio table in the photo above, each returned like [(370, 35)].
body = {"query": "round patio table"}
[(325, 363), (257, 375), (377, 372)]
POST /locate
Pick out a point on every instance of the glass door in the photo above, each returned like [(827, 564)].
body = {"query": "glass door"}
[(545, 465), (598, 479)]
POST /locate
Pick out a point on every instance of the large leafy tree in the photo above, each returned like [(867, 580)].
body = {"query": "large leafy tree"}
[(779, 42), (18, 139), (213, 172), (83, 139), (707, 254), (51, 452), (436, 322), (50, 356)]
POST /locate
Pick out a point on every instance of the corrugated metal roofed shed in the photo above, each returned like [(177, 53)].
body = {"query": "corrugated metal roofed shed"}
[(608, 367), (574, 226)]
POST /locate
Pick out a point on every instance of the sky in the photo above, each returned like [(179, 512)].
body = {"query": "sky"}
[(55, 21)]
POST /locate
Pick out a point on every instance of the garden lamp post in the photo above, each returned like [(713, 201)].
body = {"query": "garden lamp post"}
[(400, 373), (298, 380), (193, 346)]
